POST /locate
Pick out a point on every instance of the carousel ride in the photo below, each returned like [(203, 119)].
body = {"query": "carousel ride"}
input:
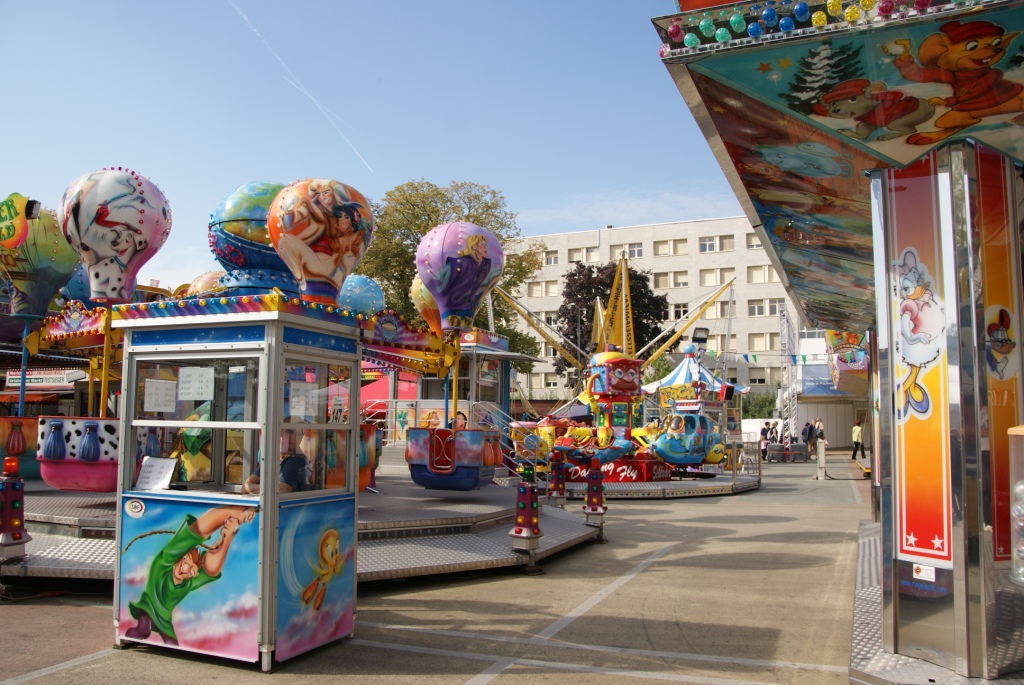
[(673, 428), (272, 242)]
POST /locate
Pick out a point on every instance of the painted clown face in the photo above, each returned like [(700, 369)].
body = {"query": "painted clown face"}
[(624, 378)]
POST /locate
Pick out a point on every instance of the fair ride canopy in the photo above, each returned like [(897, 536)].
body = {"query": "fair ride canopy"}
[(687, 372)]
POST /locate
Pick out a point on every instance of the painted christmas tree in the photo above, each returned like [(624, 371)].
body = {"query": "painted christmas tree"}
[(818, 72)]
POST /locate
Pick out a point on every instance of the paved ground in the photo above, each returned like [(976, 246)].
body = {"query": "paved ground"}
[(754, 588)]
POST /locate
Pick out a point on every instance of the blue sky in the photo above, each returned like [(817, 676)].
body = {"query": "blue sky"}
[(564, 107)]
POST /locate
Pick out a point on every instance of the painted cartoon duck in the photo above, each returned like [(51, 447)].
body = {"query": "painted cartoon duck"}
[(331, 563), (922, 323)]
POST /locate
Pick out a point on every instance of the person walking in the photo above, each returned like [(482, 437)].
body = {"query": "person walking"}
[(805, 433), (858, 436), (764, 441)]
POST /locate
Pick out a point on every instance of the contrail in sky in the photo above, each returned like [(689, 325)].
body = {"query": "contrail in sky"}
[(294, 82)]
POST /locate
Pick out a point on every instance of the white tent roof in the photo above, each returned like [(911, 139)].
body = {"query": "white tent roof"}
[(686, 373)]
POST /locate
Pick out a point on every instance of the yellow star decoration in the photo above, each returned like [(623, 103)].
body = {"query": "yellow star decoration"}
[(782, 123), (764, 67), (719, 109), (785, 63)]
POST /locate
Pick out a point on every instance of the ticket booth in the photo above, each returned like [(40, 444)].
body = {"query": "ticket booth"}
[(238, 479)]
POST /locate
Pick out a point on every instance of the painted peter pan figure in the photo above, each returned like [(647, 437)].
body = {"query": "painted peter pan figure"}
[(180, 567)]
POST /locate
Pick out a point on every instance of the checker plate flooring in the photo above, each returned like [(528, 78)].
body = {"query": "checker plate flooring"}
[(404, 531), (869, 662)]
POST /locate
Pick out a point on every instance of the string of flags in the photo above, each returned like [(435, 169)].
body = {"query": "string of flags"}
[(848, 356)]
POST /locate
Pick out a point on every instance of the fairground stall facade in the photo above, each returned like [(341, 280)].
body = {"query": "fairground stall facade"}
[(876, 148)]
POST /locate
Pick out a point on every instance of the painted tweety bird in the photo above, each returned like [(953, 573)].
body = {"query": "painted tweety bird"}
[(331, 563)]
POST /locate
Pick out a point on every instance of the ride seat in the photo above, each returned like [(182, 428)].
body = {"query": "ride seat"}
[(442, 444)]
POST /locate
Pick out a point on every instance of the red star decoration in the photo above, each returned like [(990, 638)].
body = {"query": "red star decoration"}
[(764, 67)]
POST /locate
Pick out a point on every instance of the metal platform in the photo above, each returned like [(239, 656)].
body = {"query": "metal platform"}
[(393, 462), (403, 529), (869, 662), (719, 484)]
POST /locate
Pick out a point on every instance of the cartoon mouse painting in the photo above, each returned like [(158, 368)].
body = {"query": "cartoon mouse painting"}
[(961, 55), (872, 107), (999, 345)]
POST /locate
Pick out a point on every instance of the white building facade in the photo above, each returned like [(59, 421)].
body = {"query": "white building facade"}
[(687, 261)]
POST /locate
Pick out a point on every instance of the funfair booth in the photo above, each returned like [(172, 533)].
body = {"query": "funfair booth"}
[(254, 373), (876, 150), (241, 444)]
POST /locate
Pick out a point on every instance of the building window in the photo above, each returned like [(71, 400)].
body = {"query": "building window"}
[(535, 289), (680, 246), (718, 310), (775, 305), (551, 288), (551, 380), (549, 350), (660, 280), (755, 307), (717, 342), (811, 333), (680, 279), (758, 376), (662, 248), (710, 277), (636, 250), (549, 318), (753, 242), (775, 375), (551, 258), (732, 375), (575, 254), (536, 380), (762, 274), (593, 254), (680, 310), (763, 342), (717, 243), (615, 251)]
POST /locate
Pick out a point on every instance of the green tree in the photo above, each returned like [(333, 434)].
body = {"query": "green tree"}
[(657, 370), (408, 211), (585, 284), (759, 405)]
